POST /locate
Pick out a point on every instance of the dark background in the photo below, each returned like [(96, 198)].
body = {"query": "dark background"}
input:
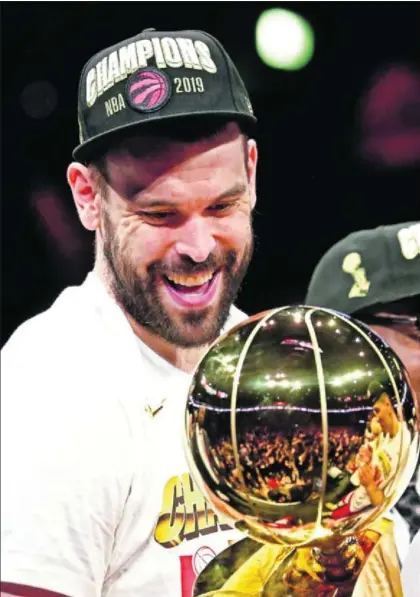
[(315, 184)]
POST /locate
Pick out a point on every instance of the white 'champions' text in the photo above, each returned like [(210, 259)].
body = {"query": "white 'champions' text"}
[(166, 52)]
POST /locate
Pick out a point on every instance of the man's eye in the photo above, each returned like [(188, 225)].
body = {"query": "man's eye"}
[(219, 207), (157, 215)]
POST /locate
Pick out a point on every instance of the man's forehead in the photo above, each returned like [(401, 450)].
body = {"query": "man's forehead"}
[(153, 146), (147, 158), (145, 147)]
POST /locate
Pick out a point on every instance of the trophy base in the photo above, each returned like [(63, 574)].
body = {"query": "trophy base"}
[(330, 570), (363, 565)]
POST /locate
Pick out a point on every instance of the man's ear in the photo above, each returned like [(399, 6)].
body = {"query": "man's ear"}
[(85, 195), (252, 170)]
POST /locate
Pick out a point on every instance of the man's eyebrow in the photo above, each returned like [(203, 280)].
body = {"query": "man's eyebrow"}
[(237, 189), (234, 191)]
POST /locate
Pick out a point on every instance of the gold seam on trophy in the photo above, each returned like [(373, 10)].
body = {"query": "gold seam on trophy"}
[(235, 385), (324, 416)]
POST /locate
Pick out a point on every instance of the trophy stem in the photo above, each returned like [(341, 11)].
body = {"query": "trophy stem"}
[(329, 569), (341, 562)]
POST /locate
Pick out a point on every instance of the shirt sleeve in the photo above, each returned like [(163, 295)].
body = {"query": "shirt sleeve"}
[(65, 476)]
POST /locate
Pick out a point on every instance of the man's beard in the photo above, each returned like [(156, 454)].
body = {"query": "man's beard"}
[(140, 298)]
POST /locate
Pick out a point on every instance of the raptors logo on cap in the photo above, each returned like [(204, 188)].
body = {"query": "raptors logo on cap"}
[(148, 89)]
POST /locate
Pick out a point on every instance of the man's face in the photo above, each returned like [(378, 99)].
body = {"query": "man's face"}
[(407, 347), (375, 426), (382, 410), (176, 232)]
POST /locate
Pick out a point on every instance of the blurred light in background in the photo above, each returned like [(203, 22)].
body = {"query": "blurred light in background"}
[(60, 225), (390, 118), (39, 99), (283, 39)]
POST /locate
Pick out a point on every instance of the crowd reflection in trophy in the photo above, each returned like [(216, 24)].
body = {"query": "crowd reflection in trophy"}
[(283, 466)]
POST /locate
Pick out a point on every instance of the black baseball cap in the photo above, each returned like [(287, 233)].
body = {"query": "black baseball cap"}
[(367, 268), (157, 77)]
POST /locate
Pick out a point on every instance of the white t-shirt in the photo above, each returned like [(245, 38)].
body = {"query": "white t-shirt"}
[(96, 496), (410, 574)]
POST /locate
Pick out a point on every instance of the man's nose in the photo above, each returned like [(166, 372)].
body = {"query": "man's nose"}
[(195, 240)]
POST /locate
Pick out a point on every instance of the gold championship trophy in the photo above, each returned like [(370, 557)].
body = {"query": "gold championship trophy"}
[(302, 432)]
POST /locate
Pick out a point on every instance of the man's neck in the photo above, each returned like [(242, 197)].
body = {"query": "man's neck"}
[(185, 359)]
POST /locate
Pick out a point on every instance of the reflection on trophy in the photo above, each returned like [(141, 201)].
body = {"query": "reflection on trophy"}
[(301, 431)]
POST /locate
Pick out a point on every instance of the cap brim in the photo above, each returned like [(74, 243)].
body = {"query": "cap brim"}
[(98, 145)]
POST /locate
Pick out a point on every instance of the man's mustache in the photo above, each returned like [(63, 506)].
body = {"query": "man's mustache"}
[(186, 266)]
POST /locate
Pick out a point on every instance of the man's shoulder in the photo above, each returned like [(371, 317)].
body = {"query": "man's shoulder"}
[(68, 358), (53, 329)]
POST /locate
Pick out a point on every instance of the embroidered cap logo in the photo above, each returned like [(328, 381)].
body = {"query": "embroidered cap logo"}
[(148, 89), (352, 264)]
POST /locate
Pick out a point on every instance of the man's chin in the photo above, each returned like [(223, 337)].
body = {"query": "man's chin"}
[(196, 329), (194, 326)]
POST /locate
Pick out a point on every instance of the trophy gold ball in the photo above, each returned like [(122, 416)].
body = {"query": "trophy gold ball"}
[(301, 425)]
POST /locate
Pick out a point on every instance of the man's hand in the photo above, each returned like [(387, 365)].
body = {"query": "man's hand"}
[(367, 475), (367, 479)]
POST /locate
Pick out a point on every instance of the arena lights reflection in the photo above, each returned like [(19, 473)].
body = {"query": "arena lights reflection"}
[(277, 407), (280, 382), (298, 317), (268, 323), (296, 385), (299, 344), (212, 391), (352, 376), (284, 383)]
